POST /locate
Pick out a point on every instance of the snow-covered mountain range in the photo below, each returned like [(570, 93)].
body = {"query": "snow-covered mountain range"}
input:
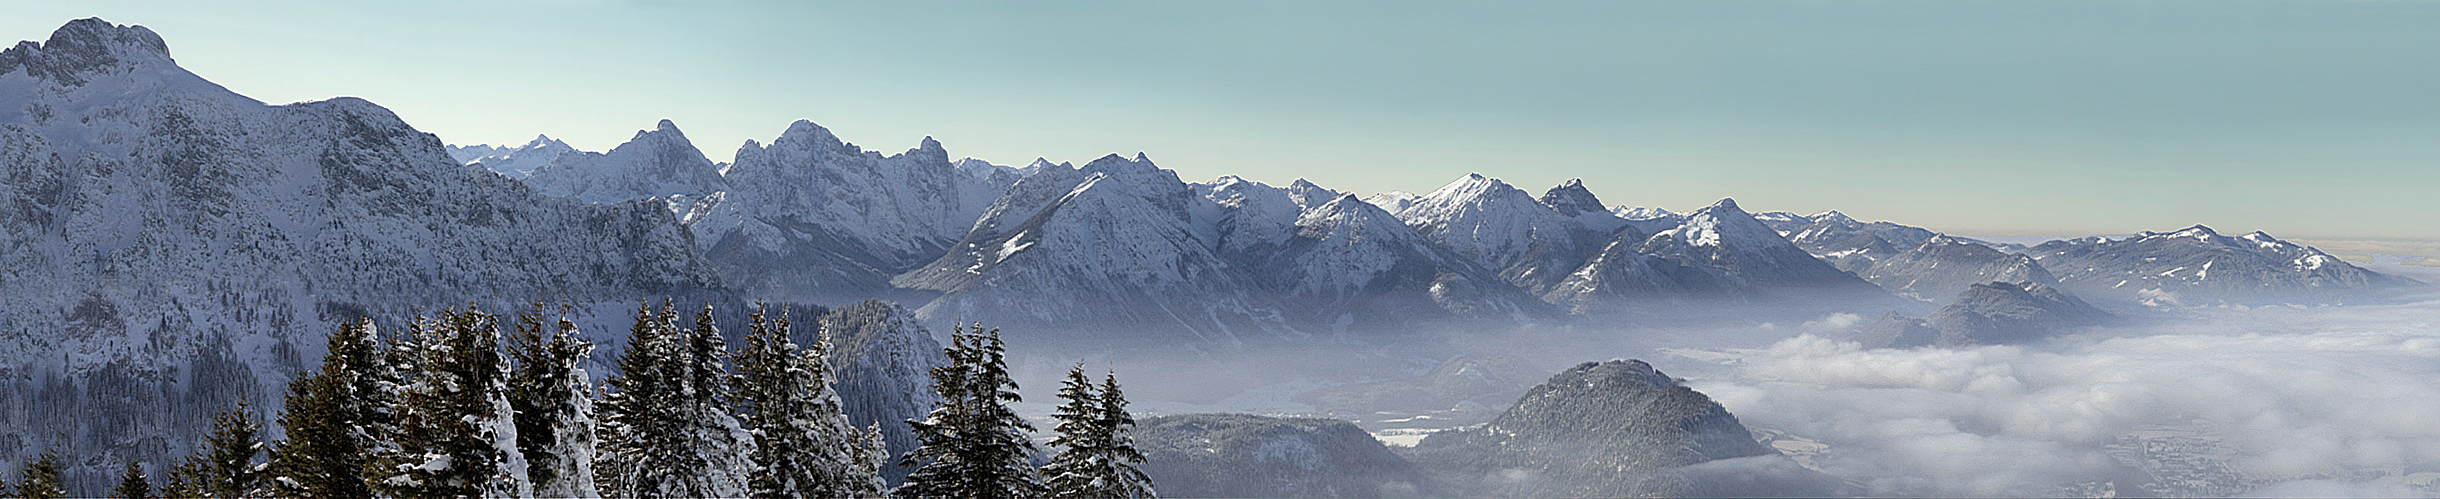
[(170, 245), (515, 162)]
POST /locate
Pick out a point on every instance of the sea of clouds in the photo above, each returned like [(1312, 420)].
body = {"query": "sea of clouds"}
[(2285, 401)]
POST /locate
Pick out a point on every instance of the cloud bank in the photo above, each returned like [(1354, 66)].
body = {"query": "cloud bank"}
[(2334, 401)]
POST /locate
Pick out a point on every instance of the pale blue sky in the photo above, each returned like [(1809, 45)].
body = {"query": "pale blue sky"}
[(2305, 119)]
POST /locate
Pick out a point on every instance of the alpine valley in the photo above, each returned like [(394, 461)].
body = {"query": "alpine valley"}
[(171, 246)]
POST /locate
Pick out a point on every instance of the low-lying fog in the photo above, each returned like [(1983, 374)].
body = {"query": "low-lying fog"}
[(2272, 401)]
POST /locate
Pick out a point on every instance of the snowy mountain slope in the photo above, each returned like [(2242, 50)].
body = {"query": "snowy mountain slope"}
[(1255, 217), (654, 163), (1719, 251), (2196, 266), (515, 162), (1785, 222), (1942, 265), (1991, 313), (984, 182), (1129, 246), (1503, 229), (171, 245), (1394, 201), (811, 217), (1648, 220), (1342, 264)]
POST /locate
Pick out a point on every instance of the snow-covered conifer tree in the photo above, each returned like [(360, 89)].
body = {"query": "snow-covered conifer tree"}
[(803, 444), (666, 427), (640, 454), (1124, 462), (332, 418), (973, 444), (553, 398), (224, 468), (40, 479), (1097, 459), (458, 434), (715, 435)]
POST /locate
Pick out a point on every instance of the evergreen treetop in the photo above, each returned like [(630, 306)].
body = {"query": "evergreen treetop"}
[(973, 444), (40, 479), (132, 484)]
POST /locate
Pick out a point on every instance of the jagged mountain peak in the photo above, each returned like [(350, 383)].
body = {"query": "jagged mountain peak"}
[(1831, 216), (805, 134), (1725, 225), (515, 162), (84, 46), (1497, 225), (1572, 199), (1473, 192), (1307, 194), (664, 132), (1345, 205), (1115, 163), (657, 162)]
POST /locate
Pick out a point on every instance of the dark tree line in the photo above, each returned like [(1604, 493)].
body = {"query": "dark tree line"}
[(453, 407)]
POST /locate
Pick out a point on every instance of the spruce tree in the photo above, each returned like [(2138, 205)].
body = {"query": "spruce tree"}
[(803, 444), (457, 436), (553, 399), (641, 454), (1124, 461), (1096, 457), (1074, 471), (132, 484), (666, 427), (716, 438), (224, 467), (40, 479), (973, 444), (331, 419)]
